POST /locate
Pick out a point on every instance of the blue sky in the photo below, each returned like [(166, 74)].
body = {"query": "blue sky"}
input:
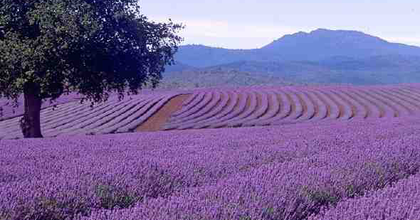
[(252, 24)]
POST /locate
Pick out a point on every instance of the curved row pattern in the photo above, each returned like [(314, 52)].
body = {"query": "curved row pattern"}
[(233, 100), (238, 107), (213, 111), (286, 105), (113, 116)]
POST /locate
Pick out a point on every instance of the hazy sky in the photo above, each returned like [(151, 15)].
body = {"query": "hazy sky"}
[(252, 24)]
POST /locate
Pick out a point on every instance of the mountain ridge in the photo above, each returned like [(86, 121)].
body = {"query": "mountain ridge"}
[(314, 46), (321, 56)]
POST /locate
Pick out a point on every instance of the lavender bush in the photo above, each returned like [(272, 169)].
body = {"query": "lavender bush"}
[(279, 172), (401, 201), (228, 107)]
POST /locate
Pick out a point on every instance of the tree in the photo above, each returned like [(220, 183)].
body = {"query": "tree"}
[(94, 47)]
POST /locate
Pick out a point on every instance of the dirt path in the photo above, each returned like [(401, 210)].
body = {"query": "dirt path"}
[(302, 103), (353, 109), (292, 103), (156, 122)]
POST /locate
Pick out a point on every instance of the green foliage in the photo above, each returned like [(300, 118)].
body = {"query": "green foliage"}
[(316, 199), (90, 46), (47, 208), (269, 212), (114, 197), (323, 198)]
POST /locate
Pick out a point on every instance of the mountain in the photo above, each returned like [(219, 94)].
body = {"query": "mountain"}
[(203, 56), (375, 70), (321, 57), (200, 78), (322, 44), (389, 69), (179, 67), (317, 45)]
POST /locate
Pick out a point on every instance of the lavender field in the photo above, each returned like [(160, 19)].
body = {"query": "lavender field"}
[(220, 108), (209, 110), (257, 106), (260, 153), (357, 169), (74, 118)]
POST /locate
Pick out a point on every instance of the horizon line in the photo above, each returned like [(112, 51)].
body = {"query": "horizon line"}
[(389, 40)]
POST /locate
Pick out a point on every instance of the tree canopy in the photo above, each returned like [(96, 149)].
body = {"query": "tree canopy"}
[(94, 47)]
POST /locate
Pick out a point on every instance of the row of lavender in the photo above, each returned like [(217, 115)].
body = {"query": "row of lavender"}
[(299, 188), (9, 109), (214, 108), (402, 201), (246, 173), (284, 105), (73, 118)]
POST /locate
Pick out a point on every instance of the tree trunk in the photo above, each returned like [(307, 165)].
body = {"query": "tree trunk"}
[(31, 121)]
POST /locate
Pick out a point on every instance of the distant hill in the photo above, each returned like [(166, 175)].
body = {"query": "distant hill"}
[(338, 70), (377, 70), (323, 44), (216, 77), (321, 56), (317, 45), (179, 67)]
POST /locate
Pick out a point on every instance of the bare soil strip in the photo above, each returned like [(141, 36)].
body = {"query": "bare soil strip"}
[(390, 100), (280, 103), (292, 102), (412, 94), (229, 94), (269, 105), (402, 100), (209, 113), (411, 99), (357, 99), (248, 102), (315, 104), (156, 122), (323, 100), (283, 104), (353, 108), (413, 90), (341, 108), (376, 101), (303, 103), (259, 101), (223, 112)]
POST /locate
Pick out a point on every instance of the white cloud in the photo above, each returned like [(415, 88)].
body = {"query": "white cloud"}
[(229, 34), (236, 35), (226, 29), (415, 41)]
